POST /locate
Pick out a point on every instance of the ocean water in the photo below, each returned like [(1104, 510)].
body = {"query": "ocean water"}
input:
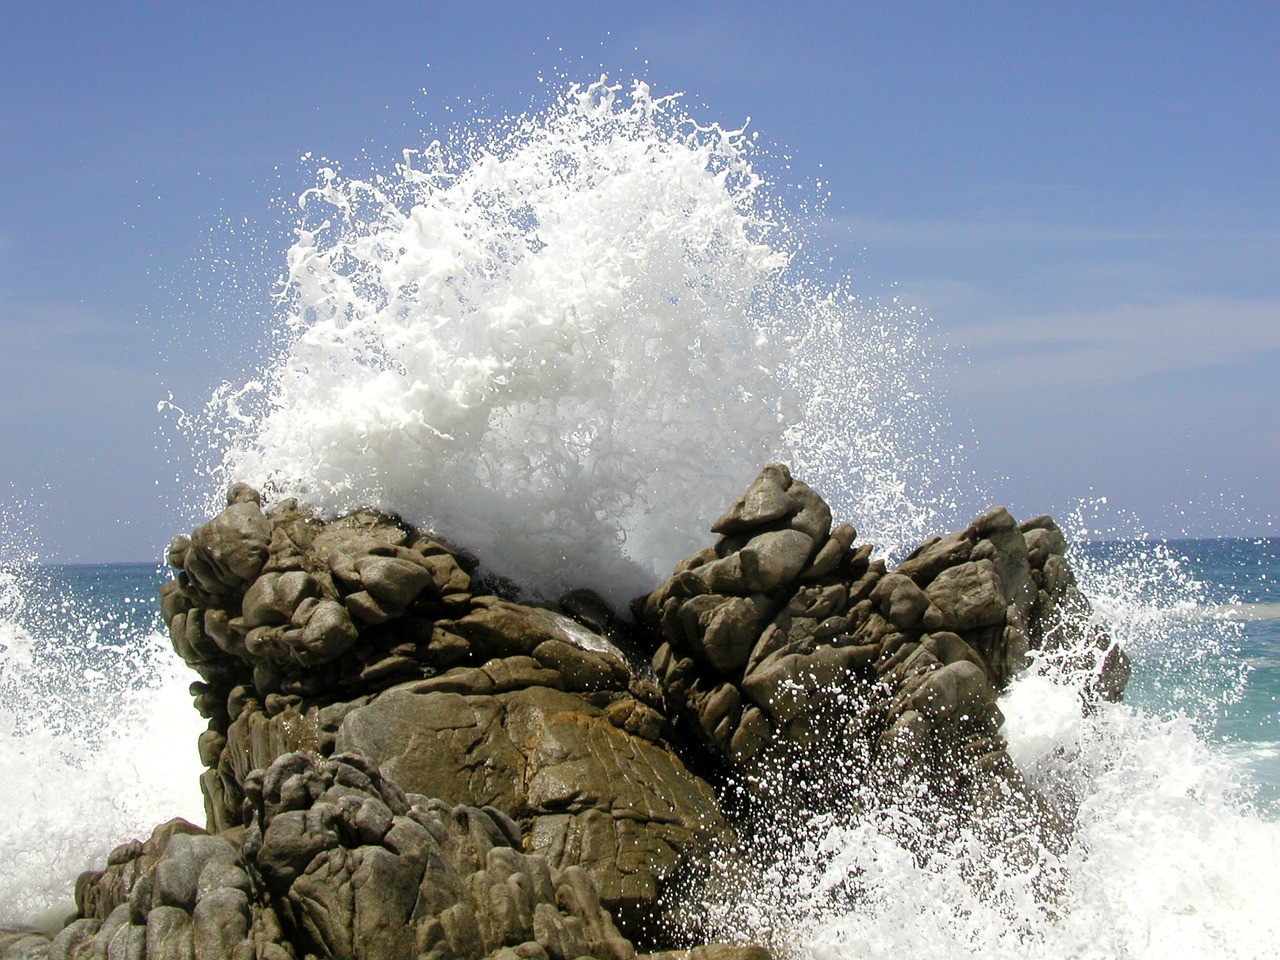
[(566, 340), (1214, 652)]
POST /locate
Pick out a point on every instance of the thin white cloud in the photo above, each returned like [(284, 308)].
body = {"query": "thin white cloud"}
[(1118, 343), (1000, 231), (46, 324), (1055, 305)]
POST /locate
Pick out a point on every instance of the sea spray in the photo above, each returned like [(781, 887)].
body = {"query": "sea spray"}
[(1164, 852), (97, 736), (870, 431), (567, 341), (1182, 629), (1162, 861)]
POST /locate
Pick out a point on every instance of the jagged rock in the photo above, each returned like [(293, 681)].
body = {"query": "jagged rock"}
[(361, 635), (902, 602), (765, 500), (228, 552), (555, 762), (716, 951), (569, 754), (181, 893), (363, 870), (23, 943), (914, 658), (336, 861), (100, 893), (774, 557), (327, 632), (968, 596)]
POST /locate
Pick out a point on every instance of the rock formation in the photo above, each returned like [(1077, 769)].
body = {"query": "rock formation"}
[(403, 761), (762, 632), (337, 861), (367, 636)]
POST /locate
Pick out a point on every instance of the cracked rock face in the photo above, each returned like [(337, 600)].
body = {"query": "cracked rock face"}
[(591, 792)]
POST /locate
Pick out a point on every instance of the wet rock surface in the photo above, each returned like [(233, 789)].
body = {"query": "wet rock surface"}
[(335, 861), (403, 760), (785, 633), (366, 635)]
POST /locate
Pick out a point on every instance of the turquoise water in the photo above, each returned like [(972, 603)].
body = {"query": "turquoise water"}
[(107, 602), (1226, 676)]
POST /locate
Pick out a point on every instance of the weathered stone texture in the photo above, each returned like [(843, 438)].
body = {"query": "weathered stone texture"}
[(759, 635), (401, 764)]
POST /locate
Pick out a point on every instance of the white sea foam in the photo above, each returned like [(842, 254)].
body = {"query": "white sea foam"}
[(1165, 856), (1162, 862), (97, 745), (569, 343)]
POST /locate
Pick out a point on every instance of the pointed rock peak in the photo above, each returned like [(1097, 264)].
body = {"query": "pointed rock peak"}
[(766, 500)]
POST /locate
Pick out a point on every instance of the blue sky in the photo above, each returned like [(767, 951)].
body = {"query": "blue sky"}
[(1085, 199)]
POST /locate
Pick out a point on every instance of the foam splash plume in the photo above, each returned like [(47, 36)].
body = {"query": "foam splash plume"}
[(96, 734), (1162, 851), (567, 344)]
